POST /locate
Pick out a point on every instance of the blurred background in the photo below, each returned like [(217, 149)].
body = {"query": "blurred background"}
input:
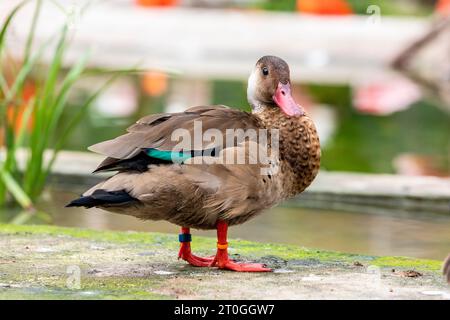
[(374, 75)]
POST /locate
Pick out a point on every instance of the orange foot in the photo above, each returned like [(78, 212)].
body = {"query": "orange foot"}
[(245, 267), (221, 259), (186, 254), (240, 267)]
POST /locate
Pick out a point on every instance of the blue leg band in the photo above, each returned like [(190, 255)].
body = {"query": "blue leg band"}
[(185, 237)]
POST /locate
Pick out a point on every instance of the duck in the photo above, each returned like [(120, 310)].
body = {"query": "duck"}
[(271, 154)]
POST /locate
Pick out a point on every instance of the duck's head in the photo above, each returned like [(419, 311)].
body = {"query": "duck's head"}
[(269, 85)]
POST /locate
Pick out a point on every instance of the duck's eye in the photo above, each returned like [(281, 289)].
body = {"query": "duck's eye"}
[(265, 71)]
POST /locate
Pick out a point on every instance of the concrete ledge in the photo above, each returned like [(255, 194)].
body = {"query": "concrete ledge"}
[(43, 262)]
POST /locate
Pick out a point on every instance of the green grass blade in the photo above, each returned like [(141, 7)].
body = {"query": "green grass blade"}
[(54, 71), (15, 190), (47, 94), (26, 117), (3, 84), (9, 164), (43, 113), (32, 30), (58, 108), (3, 32), (8, 22), (45, 109), (61, 99), (22, 76)]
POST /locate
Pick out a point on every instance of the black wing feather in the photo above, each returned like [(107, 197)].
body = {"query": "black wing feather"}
[(103, 197)]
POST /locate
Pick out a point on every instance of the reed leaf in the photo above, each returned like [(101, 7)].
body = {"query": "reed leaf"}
[(32, 30), (43, 110), (15, 189), (8, 21)]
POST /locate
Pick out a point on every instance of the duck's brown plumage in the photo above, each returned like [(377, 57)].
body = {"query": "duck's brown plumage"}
[(198, 195), (155, 131)]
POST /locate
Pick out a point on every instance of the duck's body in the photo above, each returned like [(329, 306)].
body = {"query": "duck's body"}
[(204, 186), (197, 195)]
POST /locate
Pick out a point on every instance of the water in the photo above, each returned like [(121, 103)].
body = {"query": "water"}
[(422, 236)]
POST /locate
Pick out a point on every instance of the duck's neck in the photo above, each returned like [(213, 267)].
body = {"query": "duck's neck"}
[(299, 146), (265, 111), (259, 107)]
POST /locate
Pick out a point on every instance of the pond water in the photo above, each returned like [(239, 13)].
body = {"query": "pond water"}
[(423, 236)]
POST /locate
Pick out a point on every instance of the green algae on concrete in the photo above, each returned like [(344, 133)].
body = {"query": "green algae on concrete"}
[(47, 262)]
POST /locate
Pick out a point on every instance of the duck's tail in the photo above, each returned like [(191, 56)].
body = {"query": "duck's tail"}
[(101, 197)]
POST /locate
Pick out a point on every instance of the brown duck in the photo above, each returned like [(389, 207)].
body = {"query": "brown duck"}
[(205, 183)]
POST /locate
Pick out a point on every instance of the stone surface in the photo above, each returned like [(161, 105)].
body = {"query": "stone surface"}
[(42, 262)]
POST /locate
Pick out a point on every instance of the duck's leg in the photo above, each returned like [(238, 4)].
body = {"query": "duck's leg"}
[(223, 262), (185, 250)]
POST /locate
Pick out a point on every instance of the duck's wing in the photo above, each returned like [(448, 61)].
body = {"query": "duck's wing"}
[(152, 139), (193, 195)]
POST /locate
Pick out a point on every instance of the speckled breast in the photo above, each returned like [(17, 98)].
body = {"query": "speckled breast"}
[(299, 149)]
